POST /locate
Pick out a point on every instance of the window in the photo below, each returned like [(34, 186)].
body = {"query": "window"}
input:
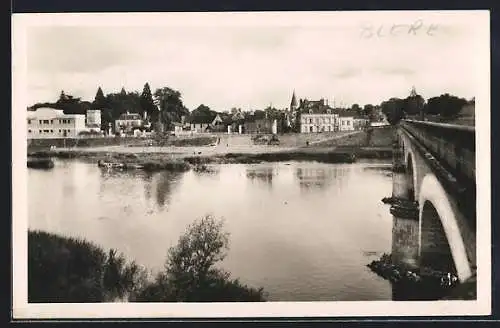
[(51, 121), (29, 121), (39, 131), (59, 130), (310, 121), (343, 122), (348, 122), (51, 131), (46, 131), (29, 131), (40, 121)]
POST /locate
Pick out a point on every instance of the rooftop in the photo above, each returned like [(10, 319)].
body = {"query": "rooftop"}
[(47, 112)]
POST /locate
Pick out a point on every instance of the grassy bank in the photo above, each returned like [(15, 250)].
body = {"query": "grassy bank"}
[(183, 162), (44, 144), (184, 141), (375, 137), (69, 270), (371, 144)]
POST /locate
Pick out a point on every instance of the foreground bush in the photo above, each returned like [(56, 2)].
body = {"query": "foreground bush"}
[(191, 274), (72, 270)]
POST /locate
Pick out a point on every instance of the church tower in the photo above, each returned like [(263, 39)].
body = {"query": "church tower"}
[(413, 92), (293, 104)]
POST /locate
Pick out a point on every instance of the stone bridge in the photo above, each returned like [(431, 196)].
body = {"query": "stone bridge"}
[(434, 197)]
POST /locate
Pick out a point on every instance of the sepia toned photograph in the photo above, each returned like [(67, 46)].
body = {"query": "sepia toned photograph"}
[(251, 164)]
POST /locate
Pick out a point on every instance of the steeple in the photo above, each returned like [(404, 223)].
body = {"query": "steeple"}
[(413, 92), (293, 104)]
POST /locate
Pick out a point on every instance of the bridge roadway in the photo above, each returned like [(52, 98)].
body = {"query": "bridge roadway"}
[(434, 197)]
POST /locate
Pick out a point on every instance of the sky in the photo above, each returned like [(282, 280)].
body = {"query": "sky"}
[(251, 61)]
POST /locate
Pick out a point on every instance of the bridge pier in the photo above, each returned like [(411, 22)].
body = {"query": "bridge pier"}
[(405, 227)]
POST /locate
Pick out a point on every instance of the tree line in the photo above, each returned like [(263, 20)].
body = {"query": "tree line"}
[(165, 105), (168, 107), (445, 106)]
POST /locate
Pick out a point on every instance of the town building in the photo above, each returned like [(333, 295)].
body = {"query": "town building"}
[(50, 123), (128, 122), (206, 123), (346, 121), (361, 122), (93, 120), (319, 122), (264, 126)]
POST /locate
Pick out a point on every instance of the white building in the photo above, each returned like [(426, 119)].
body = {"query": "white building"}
[(310, 123), (93, 121), (52, 123), (128, 122), (346, 122)]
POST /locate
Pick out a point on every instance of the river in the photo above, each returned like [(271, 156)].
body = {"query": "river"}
[(302, 231)]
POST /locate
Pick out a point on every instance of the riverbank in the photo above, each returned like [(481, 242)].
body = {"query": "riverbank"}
[(423, 283), (183, 161), (74, 270), (343, 148)]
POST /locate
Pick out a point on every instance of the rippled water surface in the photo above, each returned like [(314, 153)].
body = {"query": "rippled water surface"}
[(303, 231)]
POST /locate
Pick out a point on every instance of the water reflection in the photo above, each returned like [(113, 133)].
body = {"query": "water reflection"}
[(385, 169), (148, 184), (261, 174), (165, 186), (301, 239), (321, 178)]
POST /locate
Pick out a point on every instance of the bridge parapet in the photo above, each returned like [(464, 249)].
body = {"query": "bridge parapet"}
[(452, 145)]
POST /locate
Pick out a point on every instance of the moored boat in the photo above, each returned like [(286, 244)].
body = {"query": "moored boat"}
[(111, 165)]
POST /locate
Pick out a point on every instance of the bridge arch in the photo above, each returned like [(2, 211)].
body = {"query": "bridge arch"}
[(411, 169), (411, 173), (437, 220)]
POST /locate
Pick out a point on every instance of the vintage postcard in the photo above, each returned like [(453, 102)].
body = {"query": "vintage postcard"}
[(251, 164)]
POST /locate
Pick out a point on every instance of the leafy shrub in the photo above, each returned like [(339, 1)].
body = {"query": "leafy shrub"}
[(191, 274), (72, 270)]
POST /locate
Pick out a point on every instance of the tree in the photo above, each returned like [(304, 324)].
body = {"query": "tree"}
[(393, 110), (121, 103), (259, 114), (445, 105), (69, 104), (147, 103), (171, 106), (191, 274), (356, 109), (99, 100), (368, 110), (413, 104)]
